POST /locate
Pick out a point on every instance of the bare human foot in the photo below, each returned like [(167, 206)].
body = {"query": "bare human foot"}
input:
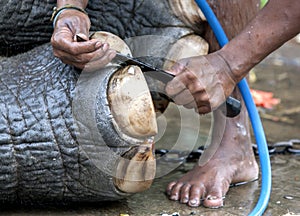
[(233, 162)]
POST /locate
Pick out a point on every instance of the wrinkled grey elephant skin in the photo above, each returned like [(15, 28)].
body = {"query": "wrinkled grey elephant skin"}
[(26, 24), (41, 159)]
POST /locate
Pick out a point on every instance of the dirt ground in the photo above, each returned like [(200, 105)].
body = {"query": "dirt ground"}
[(280, 74)]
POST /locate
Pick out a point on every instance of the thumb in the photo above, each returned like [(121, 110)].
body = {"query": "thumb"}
[(179, 66)]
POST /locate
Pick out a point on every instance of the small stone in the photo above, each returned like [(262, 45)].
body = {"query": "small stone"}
[(288, 197)]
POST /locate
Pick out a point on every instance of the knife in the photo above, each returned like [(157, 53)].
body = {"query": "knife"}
[(151, 71), (233, 106)]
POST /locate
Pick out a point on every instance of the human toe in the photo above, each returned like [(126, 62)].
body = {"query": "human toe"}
[(185, 193), (195, 195), (213, 200), (174, 191)]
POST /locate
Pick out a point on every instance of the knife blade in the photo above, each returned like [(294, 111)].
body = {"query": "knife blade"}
[(151, 71)]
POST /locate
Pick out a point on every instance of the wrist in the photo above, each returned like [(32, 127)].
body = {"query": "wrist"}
[(235, 67), (57, 11), (225, 67)]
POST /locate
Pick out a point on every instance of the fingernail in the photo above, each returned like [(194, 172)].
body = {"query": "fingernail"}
[(98, 45), (105, 47)]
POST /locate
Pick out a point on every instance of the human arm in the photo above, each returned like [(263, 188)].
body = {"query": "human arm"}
[(274, 25), (69, 23)]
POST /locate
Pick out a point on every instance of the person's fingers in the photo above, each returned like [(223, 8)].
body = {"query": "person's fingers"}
[(184, 97), (71, 43), (95, 64), (61, 43), (191, 105), (184, 79), (203, 109), (179, 66), (203, 102), (198, 101), (69, 25), (77, 65), (82, 58), (177, 84)]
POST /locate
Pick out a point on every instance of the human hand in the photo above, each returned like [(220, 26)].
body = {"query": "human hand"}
[(87, 54), (202, 82)]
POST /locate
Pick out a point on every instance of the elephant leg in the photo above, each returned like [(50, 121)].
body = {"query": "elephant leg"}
[(233, 160), (70, 136)]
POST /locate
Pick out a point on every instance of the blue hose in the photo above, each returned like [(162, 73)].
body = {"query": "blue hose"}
[(266, 180)]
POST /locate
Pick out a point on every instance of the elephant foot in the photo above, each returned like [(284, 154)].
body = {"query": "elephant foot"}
[(136, 169), (134, 117), (189, 12), (233, 162)]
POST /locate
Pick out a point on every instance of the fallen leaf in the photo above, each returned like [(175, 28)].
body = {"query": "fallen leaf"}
[(264, 99)]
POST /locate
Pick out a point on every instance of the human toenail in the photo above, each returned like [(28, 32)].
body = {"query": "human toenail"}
[(212, 198), (174, 197), (185, 200), (193, 202)]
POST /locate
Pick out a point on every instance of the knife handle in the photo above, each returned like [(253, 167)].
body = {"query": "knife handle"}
[(233, 107)]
